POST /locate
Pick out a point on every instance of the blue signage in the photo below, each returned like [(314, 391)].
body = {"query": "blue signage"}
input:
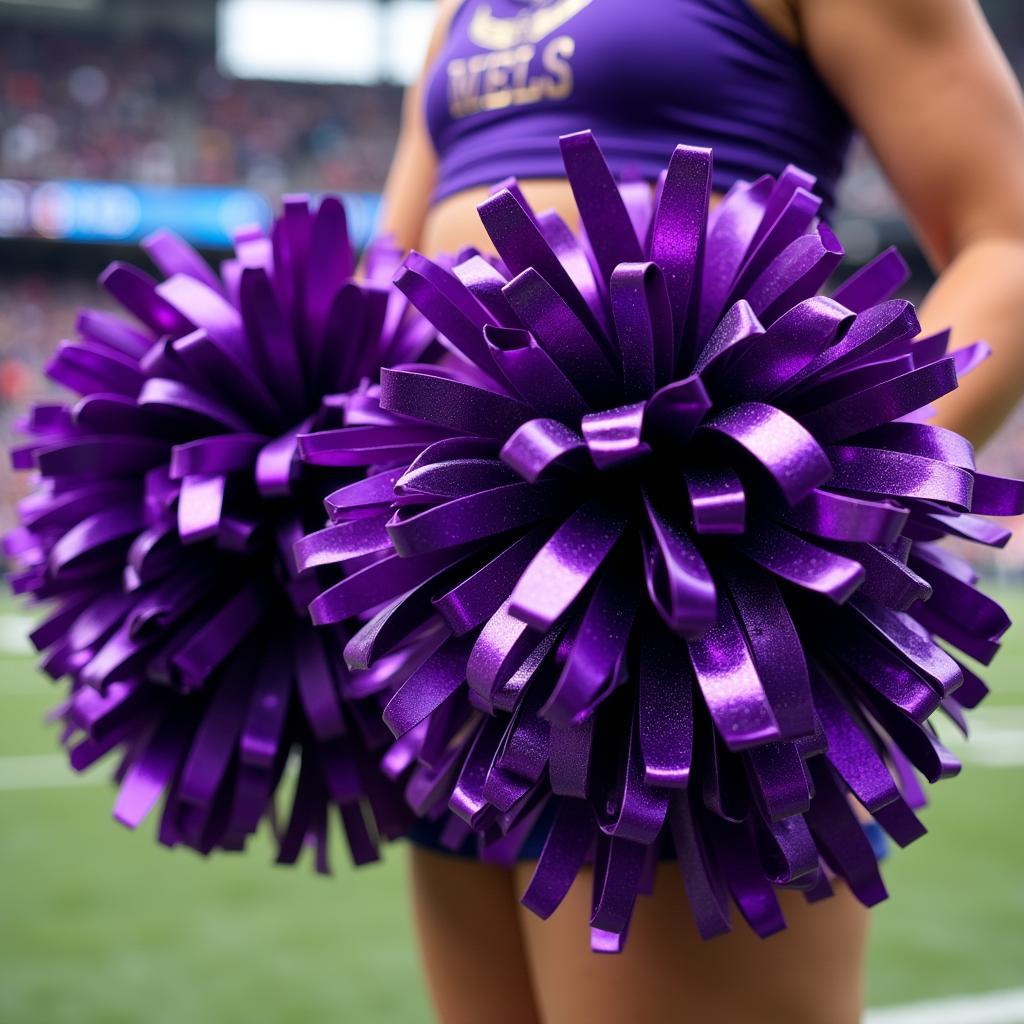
[(110, 211)]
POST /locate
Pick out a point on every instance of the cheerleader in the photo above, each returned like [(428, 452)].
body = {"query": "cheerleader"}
[(764, 83)]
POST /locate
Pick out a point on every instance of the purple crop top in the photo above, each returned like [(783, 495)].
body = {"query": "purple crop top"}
[(645, 75)]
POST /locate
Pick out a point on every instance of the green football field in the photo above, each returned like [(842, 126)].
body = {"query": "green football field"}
[(101, 926)]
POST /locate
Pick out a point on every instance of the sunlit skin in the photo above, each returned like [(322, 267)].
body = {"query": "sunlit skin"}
[(928, 87)]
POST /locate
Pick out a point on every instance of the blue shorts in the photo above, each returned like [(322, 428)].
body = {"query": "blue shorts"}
[(428, 834)]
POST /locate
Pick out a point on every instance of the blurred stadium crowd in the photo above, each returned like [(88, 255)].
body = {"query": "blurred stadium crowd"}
[(160, 112), (76, 104)]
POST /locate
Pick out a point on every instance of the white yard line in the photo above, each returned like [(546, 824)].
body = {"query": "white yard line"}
[(997, 714), (996, 747), (14, 630), (996, 738), (1003, 748), (990, 1008)]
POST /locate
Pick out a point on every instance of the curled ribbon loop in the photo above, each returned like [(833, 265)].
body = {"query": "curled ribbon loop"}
[(540, 445), (643, 324), (786, 449)]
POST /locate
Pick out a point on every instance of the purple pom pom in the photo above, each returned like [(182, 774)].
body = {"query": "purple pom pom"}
[(169, 499), (676, 513)]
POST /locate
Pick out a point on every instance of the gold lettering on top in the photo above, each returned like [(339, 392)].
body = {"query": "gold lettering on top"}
[(491, 32), (555, 61), (500, 79)]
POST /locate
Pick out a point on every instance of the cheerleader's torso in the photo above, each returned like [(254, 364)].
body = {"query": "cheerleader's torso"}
[(644, 75)]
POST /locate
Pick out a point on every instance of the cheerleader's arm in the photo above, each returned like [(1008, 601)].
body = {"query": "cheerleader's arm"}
[(413, 174), (931, 90)]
